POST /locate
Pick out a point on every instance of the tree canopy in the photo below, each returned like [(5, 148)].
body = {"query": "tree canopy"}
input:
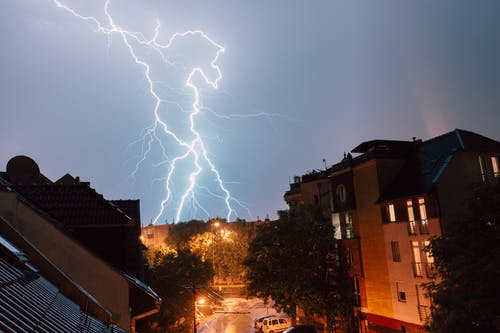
[(176, 276), (294, 261), (467, 257)]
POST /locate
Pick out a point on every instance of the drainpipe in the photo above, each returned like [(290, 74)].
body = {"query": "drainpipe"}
[(144, 315)]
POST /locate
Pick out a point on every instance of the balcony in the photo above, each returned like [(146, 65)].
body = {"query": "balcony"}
[(417, 269), (423, 227), (430, 270), (423, 313), (412, 228)]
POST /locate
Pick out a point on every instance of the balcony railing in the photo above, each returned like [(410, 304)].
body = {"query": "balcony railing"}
[(423, 227), (423, 312), (412, 228), (430, 270), (417, 269)]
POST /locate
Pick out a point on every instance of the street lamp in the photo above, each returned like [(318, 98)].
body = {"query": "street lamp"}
[(212, 225)]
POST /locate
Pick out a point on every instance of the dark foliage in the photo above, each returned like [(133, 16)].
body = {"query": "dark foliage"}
[(293, 261), (176, 277), (181, 233), (467, 256)]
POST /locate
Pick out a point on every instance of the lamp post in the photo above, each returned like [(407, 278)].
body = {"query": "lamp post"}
[(212, 225)]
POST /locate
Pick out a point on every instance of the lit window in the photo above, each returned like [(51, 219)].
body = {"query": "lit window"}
[(417, 262), (392, 212), (395, 251), (409, 205), (421, 207), (496, 169), (429, 257), (481, 167)]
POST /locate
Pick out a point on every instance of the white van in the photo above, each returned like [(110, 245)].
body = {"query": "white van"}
[(274, 325)]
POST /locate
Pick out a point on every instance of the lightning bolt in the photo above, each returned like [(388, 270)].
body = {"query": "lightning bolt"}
[(191, 146)]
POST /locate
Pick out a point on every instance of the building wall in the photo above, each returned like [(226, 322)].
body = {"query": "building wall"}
[(108, 286), (377, 299), (462, 171), (401, 273), (153, 236)]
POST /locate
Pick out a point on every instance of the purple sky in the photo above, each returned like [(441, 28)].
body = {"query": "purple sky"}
[(302, 81)]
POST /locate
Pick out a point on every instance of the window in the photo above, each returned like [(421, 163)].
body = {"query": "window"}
[(429, 267), (341, 193), (392, 212), (481, 167), (417, 262), (409, 206), (494, 164), (423, 217), (346, 228), (395, 251), (150, 233), (348, 257), (421, 207), (401, 294), (349, 230), (412, 229), (357, 293)]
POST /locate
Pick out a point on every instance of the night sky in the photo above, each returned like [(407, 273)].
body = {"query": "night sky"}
[(302, 81)]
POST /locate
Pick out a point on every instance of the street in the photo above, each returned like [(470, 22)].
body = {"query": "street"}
[(238, 316)]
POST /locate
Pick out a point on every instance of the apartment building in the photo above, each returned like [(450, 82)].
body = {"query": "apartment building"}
[(387, 200)]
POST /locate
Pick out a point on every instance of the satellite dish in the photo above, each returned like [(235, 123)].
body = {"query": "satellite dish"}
[(22, 170)]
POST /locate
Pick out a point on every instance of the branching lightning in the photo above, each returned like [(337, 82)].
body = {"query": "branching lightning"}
[(192, 146)]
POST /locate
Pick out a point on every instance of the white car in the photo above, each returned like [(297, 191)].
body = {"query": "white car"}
[(274, 325), (258, 323)]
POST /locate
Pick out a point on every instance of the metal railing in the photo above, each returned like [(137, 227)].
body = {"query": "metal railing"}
[(430, 270), (423, 312), (423, 227), (417, 269), (412, 228)]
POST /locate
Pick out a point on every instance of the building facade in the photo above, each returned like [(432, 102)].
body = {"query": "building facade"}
[(89, 240), (386, 203)]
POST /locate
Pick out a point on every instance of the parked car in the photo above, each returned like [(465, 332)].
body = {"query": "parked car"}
[(258, 322), (274, 325), (300, 329)]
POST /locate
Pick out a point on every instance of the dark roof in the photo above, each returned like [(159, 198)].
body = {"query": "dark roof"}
[(31, 303), (382, 145), (131, 208), (73, 205), (423, 168)]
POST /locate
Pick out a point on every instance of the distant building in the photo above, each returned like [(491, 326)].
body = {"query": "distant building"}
[(386, 203), (93, 241), (154, 236)]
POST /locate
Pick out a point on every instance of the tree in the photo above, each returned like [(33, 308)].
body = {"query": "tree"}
[(176, 276), (467, 257), (294, 261), (180, 233)]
